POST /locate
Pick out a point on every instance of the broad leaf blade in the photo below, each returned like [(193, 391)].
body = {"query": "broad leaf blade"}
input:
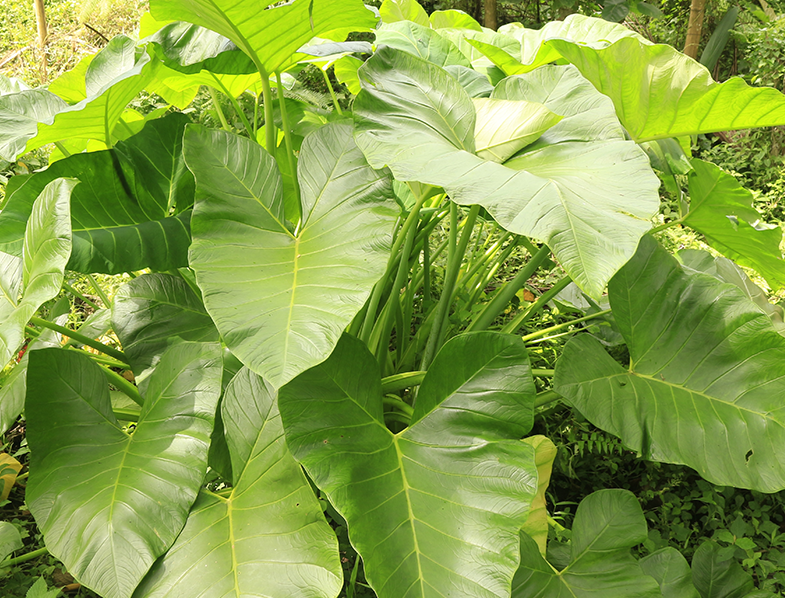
[(392, 11), (705, 378), (659, 92), (10, 539), (420, 41), (108, 503), (120, 214), (608, 524), (672, 573), (47, 247), (718, 577), (153, 312), (419, 511), (268, 537), (270, 37), (589, 202), (20, 114), (723, 211), (282, 308)]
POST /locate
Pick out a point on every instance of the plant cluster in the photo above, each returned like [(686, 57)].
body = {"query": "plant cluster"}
[(333, 346)]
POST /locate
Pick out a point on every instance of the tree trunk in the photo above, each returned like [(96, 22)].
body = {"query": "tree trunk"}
[(697, 8), (40, 17), (490, 14)]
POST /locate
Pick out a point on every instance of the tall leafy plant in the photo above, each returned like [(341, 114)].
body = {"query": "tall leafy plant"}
[(309, 323)]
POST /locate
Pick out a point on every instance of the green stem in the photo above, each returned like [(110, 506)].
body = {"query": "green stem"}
[(396, 416), (98, 290), (398, 404), (543, 373), (85, 340), (79, 295), (270, 135), (255, 115), (546, 397), (124, 386), (332, 92), (537, 305), (662, 227), (378, 290), (237, 108), (102, 359), (126, 415), (505, 294), (62, 149), (24, 558), (454, 260), (400, 279), (546, 331), (287, 136), (398, 382), (218, 109)]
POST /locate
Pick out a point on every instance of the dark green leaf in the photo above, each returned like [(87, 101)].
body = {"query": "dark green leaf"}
[(671, 571), (437, 507), (110, 503), (704, 379)]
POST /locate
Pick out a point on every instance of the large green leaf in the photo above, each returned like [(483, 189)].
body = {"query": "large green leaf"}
[(457, 19), (532, 51), (110, 503), (270, 37), (659, 92), (590, 202), (723, 211), (10, 539), (281, 299), (153, 312), (392, 11), (38, 276), (114, 77), (607, 525), (672, 573), (20, 114), (435, 509), (420, 41), (268, 536), (705, 380), (120, 212)]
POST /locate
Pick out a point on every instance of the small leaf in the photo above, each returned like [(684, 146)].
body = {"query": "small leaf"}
[(10, 539), (717, 577), (536, 525), (672, 573), (9, 469), (41, 590), (607, 524)]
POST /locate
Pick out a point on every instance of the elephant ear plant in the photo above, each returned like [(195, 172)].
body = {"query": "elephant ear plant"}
[(309, 323)]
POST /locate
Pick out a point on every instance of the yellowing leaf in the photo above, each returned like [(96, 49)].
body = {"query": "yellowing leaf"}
[(537, 523), (9, 469)]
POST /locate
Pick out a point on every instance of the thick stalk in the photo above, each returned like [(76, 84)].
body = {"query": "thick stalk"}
[(426, 274), (398, 404), (547, 331), (543, 373), (378, 289), (398, 382), (217, 105), (79, 295), (123, 386), (694, 28), (270, 135), (505, 294), (98, 290), (332, 92), (237, 108), (667, 225), (483, 259), (513, 326), (546, 397), (287, 136), (62, 149), (24, 558), (454, 260), (400, 279), (85, 340)]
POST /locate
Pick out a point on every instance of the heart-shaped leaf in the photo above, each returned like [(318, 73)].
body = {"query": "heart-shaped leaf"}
[(705, 377), (607, 525), (590, 202), (120, 215), (436, 508), (281, 298), (268, 536), (110, 503)]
